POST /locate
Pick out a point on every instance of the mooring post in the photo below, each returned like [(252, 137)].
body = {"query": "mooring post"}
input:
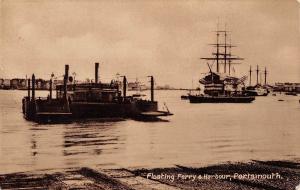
[(28, 88), (124, 86), (50, 89), (66, 80), (152, 88), (96, 72), (33, 87)]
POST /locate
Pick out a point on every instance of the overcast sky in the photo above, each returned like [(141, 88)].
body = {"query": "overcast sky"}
[(140, 38)]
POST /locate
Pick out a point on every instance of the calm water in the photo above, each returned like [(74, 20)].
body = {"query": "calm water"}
[(197, 134)]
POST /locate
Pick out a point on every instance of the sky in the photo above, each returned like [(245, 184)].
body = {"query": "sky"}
[(163, 38)]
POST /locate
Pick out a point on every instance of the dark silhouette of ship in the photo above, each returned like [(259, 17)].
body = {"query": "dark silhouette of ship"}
[(222, 87), (258, 89), (88, 100)]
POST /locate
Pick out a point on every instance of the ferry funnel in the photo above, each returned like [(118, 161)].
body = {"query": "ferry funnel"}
[(96, 72)]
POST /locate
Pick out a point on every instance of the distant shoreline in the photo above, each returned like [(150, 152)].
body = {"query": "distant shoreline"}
[(128, 90)]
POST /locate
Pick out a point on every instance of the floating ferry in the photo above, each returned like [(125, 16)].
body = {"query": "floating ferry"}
[(88, 100)]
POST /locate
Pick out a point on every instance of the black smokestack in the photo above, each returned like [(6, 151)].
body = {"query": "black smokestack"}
[(66, 80), (124, 86), (50, 89), (33, 87), (96, 72), (28, 83), (152, 88)]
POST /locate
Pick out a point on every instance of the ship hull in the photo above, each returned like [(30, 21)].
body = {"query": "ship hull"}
[(255, 93), (221, 99)]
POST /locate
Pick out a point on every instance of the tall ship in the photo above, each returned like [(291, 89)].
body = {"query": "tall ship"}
[(222, 87), (258, 89), (88, 100)]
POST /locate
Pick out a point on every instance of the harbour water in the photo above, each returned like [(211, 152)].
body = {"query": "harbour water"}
[(196, 135)]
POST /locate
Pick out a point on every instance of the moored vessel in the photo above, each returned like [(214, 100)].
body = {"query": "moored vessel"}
[(222, 87), (88, 100), (258, 89)]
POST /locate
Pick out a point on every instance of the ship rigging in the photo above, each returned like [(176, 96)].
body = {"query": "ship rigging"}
[(222, 87)]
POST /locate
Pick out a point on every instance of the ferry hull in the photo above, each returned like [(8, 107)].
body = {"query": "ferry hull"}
[(99, 110), (220, 99), (59, 111)]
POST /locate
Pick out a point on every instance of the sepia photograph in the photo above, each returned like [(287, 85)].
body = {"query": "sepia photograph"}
[(150, 94)]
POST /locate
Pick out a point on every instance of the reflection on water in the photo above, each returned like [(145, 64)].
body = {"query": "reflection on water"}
[(197, 134), (89, 138)]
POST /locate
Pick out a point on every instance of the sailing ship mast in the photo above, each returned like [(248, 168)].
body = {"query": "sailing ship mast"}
[(257, 71), (218, 45), (250, 72), (225, 48), (220, 88), (229, 64), (226, 57), (265, 75)]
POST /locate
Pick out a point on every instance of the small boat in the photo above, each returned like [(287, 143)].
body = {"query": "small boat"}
[(280, 100), (291, 93), (185, 97)]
